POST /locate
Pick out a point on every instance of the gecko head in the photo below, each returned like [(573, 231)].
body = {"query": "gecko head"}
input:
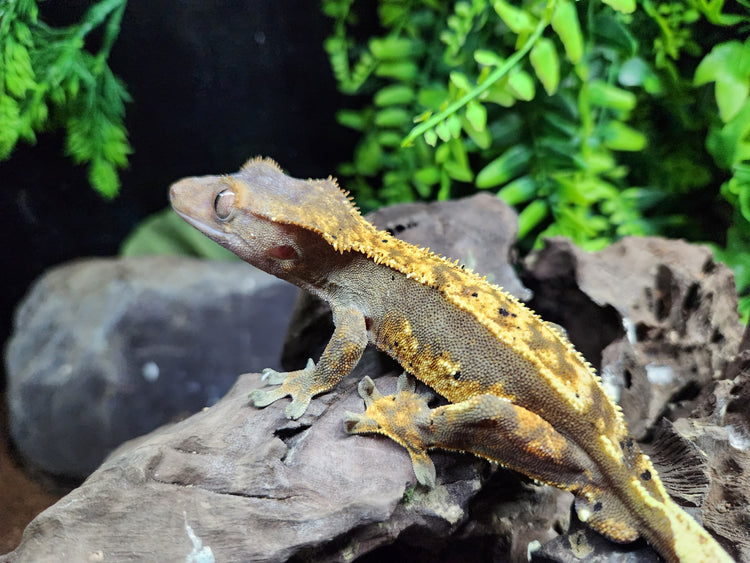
[(220, 208)]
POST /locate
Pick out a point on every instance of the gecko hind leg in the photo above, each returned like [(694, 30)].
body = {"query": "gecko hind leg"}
[(396, 416), (496, 429)]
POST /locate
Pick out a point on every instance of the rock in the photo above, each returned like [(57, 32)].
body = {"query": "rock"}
[(722, 433), (248, 485), (108, 349)]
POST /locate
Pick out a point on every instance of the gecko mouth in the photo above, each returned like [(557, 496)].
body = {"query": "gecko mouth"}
[(205, 228), (230, 241)]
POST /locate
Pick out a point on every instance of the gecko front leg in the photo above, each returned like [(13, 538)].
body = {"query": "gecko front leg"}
[(342, 353), (493, 428)]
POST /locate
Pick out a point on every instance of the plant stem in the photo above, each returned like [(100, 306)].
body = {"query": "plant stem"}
[(496, 75)]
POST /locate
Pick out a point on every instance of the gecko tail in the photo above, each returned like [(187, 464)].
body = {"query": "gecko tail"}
[(607, 515)]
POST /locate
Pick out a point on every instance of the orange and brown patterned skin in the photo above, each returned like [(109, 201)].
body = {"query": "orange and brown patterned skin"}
[(521, 394)]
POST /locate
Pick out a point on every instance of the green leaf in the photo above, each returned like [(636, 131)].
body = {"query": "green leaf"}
[(531, 217), (620, 137), (389, 139), (477, 115), (518, 191), (10, 124), (368, 157), (19, 76), (504, 168), (637, 72), (543, 57), (583, 190), (460, 81), (488, 58), (430, 137), (405, 71), (458, 171), (599, 161), (730, 144), (429, 175), (519, 21), (49, 71), (568, 29), (432, 98), (728, 65), (482, 137), (730, 96), (606, 95), (498, 94), (424, 116), (443, 131), (352, 119), (392, 117), (392, 48), (611, 31), (103, 176), (521, 85), (442, 153), (624, 6), (396, 94), (454, 126)]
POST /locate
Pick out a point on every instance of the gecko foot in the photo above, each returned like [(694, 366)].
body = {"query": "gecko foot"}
[(404, 417), (296, 384)]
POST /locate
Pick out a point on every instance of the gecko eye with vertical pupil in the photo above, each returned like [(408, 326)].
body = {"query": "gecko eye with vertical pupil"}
[(224, 204)]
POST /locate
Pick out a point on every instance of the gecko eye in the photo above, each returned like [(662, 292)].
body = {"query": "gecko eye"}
[(224, 204)]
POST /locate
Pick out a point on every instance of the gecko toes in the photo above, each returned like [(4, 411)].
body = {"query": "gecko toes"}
[(359, 423), (368, 391), (273, 377), (297, 407), (406, 383), (424, 469), (264, 397)]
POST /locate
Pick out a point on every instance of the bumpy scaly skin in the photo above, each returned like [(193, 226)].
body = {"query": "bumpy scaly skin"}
[(521, 394)]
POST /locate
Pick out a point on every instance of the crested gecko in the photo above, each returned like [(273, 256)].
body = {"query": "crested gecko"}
[(518, 391)]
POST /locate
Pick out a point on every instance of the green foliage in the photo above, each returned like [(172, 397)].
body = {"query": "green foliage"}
[(48, 80), (595, 119)]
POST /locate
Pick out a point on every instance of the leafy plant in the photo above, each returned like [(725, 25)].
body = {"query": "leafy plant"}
[(593, 118), (728, 67), (48, 80)]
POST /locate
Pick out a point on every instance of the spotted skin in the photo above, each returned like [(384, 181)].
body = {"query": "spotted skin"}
[(520, 393)]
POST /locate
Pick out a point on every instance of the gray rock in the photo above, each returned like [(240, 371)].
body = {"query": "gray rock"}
[(248, 485), (722, 433), (104, 350), (582, 544)]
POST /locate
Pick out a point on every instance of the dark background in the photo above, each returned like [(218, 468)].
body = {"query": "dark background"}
[(213, 83)]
